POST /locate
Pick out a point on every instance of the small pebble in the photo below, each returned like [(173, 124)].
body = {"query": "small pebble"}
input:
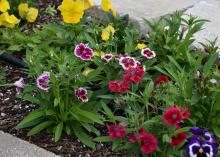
[(3, 114), (6, 99), (59, 148)]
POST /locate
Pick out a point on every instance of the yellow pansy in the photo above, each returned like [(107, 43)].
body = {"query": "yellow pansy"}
[(140, 46), (8, 20), (107, 31), (23, 9), (87, 71), (32, 15), (107, 6), (72, 11), (27, 13), (4, 5), (88, 4), (99, 53)]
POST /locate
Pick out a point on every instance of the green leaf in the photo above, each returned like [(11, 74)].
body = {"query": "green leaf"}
[(148, 90), (217, 131), (185, 129), (34, 115), (89, 115), (15, 48), (39, 128), (103, 139), (208, 65), (106, 97), (83, 137), (58, 131), (107, 110)]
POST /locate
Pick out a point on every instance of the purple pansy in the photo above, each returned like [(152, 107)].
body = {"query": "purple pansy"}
[(84, 52), (43, 81), (19, 85), (200, 148), (201, 144)]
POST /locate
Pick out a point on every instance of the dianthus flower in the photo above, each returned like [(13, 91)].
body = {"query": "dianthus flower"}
[(134, 74), (149, 54), (161, 79), (178, 139), (148, 142), (127, 62), (19, 85), (172, 115), (81, 94), (43, 81), (107, 57), (117, 130), (83, 51), (118, 86), (132, 138)]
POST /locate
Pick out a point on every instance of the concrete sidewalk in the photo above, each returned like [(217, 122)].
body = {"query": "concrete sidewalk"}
[(153, 9), (11, 146)]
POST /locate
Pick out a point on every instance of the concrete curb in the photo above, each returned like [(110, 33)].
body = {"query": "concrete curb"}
[(11, 146)]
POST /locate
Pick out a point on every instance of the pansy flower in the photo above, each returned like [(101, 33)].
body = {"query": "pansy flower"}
[(127, 62), (4, 5), (72, 11), (106, 32), (197, 131), (149, 54), (107, 6), (84, 52), (107, 57), (8, 20), (81, 94), (19, 85), (140, 46), (200, 148), (27, 13), (43, 81)]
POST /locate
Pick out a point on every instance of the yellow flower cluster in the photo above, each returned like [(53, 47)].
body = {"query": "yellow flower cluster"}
[(107, 6), (30, 14), (73, 10), (6, 19), (10, 20), (140, 46), (106, 32)]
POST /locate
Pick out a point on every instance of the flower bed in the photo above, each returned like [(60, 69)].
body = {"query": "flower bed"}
[(95, 78)]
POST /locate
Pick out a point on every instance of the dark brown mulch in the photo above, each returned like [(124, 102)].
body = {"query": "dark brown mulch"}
[(12, 110)]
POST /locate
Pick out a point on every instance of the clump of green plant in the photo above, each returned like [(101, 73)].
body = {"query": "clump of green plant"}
[(65, 95), (174, 36)]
